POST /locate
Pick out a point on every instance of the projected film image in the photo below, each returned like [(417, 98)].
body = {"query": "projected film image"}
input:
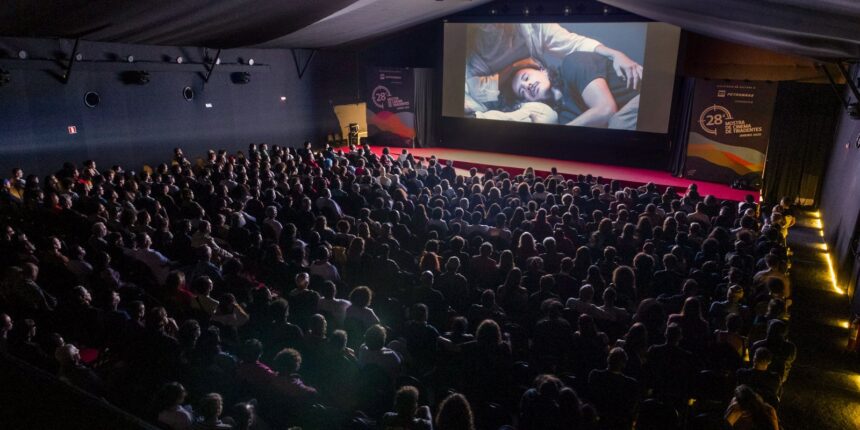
[(587, 75)]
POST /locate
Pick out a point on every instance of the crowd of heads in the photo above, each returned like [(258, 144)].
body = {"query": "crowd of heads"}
[(343, 288)]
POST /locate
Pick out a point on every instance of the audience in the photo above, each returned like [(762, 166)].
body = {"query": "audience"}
[(315, 289)]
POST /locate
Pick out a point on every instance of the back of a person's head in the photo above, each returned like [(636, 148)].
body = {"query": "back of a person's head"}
[(406, 401), (328, 289), (361, 296), (776, 329), (244, 415), (287, 361), (210, 406), (318, 325), (488, 333), (547, 383), (250, 351), (338, 339), (752, 404), (609, 296), (374, 337), (762, 356), (169, 395), (419, 312), (455, 413), (673, 334), (616, 360), (586, 292)]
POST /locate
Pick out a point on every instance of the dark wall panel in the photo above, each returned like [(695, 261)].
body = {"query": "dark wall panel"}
[(840, 205), (137, 124)]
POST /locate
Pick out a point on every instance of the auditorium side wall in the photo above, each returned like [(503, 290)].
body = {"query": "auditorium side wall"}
[(136, 124), (840, 204)]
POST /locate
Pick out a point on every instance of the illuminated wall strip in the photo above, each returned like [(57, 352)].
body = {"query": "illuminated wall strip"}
[(820, 226)]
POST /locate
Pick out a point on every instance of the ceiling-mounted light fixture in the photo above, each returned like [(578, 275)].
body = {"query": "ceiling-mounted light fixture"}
[(130, 58), (607, 10), (526, 11), (250, 61), (567, 10), (494, 11), (179, 60), (22, 54)]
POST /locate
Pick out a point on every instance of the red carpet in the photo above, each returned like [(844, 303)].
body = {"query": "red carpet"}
[(628, 176)]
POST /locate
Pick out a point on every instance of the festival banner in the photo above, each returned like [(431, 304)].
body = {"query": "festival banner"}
[(391, 107), (729, 131)]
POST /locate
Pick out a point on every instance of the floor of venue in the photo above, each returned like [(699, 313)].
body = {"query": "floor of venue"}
[(823, 391), (466, 159)]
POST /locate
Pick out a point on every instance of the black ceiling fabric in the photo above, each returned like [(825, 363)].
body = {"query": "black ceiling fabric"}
[(825, 29), (211, 23)]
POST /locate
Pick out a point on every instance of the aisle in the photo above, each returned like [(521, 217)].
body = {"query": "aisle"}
[(823, 389)]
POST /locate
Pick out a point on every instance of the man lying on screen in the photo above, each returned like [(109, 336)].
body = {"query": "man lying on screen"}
[(583, 92), (492, 47)]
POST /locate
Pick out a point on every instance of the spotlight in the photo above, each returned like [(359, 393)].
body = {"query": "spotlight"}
[(607, 10), (251, 62), (79, 57), (4, 77), (22, 54), (240, 77), (179, 60), (494, 11), (526, 11), (135, 77), (567, 10), (283, 98), (130, 58), (92, 99)]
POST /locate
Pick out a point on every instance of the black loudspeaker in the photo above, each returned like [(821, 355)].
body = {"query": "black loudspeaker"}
[(92, 99), (240, 77), (188, 93), (135, 77)]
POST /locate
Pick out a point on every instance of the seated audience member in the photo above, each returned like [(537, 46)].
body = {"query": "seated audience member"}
[(670, 369), (748, 411), (374, 352), (614, 395), (170, 407), (74, 372), (331, 306), (455, 413), (783, 351), (293, 399), (763, 381), (209, 411), (407, 414)]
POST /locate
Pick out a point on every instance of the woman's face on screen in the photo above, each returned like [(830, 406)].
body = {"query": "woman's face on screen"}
[(531, 85)]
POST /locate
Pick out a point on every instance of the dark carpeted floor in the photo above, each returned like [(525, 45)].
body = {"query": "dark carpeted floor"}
[(823, 389)]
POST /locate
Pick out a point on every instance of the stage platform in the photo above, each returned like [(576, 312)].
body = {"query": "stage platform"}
[(628, 176)]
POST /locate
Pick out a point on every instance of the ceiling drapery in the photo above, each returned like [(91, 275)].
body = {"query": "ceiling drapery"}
[(826, 29), (220, 23)]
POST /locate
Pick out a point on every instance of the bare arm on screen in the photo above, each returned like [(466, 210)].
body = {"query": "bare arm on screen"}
[(557, 41), (601, 105)]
